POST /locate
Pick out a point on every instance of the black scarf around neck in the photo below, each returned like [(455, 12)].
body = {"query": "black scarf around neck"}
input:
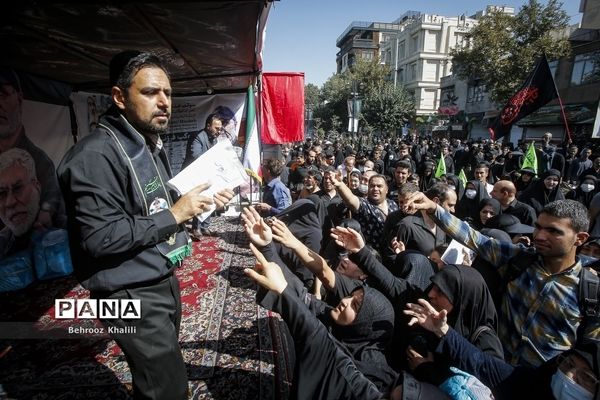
[(148, 183)]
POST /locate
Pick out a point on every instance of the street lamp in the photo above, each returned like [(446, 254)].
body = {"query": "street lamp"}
[(354, 107), (308, 119)]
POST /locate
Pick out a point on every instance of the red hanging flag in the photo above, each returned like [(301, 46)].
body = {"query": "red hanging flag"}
[(282, 107), (537, 90)]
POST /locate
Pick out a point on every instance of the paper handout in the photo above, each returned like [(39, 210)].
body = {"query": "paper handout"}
[(219, 166), (455, 253)]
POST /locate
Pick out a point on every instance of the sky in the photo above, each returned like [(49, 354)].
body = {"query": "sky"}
[(301, 34)]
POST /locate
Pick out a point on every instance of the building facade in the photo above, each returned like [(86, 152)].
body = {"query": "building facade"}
[(577, 79), (419, 55)]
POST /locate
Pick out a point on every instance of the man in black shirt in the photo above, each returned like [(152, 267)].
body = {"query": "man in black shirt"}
[(505, 191), (126, 233)]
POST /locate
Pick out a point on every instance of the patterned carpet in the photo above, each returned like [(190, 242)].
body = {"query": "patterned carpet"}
[(233, 348)]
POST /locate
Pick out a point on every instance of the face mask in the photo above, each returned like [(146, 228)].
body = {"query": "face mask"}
[(363, 188), (563, 388), (587, 187), (451, 187), (470, 193)]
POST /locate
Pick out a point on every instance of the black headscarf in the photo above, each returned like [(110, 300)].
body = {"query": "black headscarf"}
[(468, 208), (581, 196), (471, 300), (495, 204), (426, 181), (537, 195), (458, 185), (415, 268), (369, 336)]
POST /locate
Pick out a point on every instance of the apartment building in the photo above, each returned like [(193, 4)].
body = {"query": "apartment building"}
[(362, 40), (419, 55)]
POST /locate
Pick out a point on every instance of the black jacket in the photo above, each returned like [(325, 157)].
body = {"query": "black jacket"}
[(113, 245)]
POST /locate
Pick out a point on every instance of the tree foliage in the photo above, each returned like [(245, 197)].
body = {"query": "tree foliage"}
[(387, 108), (384, 107), (311, 95), (503, 49)]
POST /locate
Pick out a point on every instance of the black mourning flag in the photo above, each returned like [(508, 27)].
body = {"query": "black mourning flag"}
[(537, 90)]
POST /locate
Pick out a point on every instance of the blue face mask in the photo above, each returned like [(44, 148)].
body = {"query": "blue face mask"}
[(564, 388)]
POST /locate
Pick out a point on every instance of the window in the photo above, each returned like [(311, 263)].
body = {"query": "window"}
[(413, 71), (430, 70), (476, 93), (448, 98), (459, 40), (428, 98), (431, 41), (401, 76), (344, 62), (368, 55), (586, 69), (414, 43), (401, 50)]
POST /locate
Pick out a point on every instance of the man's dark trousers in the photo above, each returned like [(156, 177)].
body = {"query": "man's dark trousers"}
[(153, 351)]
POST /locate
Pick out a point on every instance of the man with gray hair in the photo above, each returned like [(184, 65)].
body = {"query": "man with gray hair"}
[(12, 135), (20, 193)]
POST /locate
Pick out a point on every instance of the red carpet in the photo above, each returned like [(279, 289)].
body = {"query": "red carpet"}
[(232, 347)]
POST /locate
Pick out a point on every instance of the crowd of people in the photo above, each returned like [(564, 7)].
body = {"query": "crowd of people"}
[(376, 309), (351, 246)]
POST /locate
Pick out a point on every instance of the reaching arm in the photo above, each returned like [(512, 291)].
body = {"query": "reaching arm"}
[(313, 261), (328, 372), (495, 252), (349, 198), (395, 289), (490, 370)]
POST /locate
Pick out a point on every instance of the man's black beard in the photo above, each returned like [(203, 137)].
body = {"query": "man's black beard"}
[(152, 130)]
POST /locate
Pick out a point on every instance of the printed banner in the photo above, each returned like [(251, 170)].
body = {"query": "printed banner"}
[(188, 116)]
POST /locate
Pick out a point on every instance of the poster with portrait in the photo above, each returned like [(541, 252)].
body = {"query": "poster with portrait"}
[(188, 116), (34, 135)]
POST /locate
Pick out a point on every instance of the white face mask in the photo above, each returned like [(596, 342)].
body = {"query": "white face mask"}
[(587, 187), (363, 188), (452, 187), (564, 388), (470, 193)]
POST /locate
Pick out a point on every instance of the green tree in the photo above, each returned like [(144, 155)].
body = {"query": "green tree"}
[(387, 108), (370, 79), (311, 95), (503, 49)]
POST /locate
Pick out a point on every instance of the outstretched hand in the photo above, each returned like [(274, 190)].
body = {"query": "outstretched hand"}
[(418, 201), (256, 228), (348, 238), (266, 274), (282, 234), (428, 317)]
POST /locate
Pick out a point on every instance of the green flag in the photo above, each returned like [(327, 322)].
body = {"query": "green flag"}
[(462, 177), (441, 167), (530, 160)]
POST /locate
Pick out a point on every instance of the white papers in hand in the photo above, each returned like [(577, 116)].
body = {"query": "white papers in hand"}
[(219, 166), (455, 253)]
